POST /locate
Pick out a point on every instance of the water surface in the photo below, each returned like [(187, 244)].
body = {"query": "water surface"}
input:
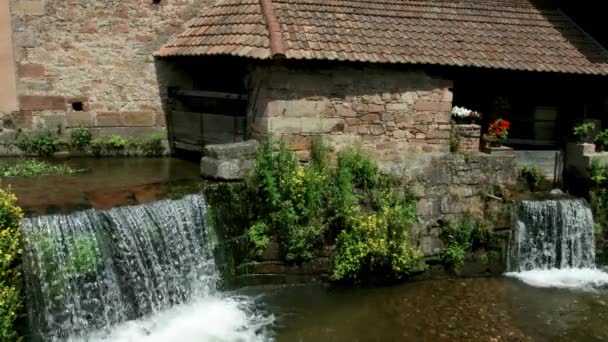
[(105, 183), (483, 309)]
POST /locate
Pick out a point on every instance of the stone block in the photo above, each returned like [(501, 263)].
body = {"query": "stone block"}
[(240, 150), (34, 71), (376, 129), (433, 106), (297, 142), (39, 103), (27, 7), (436, 134), (50, 121), (371, 118), (312, 125), (498, 151), (372, 99), (138, 119), (399, 134), (26, 39), (108, 119), (447, 95), (76, 119), (297, 108), (376, 108), (287, 125), (332, 125), (397, 107), (342, 110), (225, 169)]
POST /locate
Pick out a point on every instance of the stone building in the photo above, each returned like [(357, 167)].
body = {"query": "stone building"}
[(66, 63), (385, 73), (381, 73)]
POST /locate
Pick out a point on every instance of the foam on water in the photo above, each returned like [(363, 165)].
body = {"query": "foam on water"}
[(553, 245), (210, 319), (567, 278)]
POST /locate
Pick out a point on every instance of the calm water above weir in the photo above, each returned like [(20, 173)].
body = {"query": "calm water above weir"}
[(106, 183)]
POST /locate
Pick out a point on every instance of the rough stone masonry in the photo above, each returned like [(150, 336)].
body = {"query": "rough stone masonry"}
[(392, 113), (90, 62)]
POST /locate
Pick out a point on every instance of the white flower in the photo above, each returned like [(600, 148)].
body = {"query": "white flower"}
[(464, 113), (461, 112)]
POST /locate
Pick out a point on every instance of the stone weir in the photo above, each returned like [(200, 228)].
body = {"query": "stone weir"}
[(447, 185)]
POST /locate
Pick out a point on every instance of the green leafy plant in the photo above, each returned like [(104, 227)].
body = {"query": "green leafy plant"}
[(116, 142), (601, 140), (378, 244), (582, 131), (43, 144), (260, 236), (454, 140), (461, 238), (80, 138), (532, 176), (32, 168), (599, 195), (10, 277), (306, 206)]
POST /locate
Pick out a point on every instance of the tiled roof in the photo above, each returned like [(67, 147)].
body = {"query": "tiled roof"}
[(503, 34)]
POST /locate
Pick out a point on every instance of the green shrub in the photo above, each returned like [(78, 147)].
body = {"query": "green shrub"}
[(80, 138), (460, 238), (305, 207), (532, 176), (582, 131), (32, 168), (378, 244), (42, 144), (601, 140), (454, 140), (10, 277)]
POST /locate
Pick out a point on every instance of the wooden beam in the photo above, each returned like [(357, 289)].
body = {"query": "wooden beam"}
[(211, 94)]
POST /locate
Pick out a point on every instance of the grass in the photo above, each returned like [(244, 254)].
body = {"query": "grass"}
[(32, 168)]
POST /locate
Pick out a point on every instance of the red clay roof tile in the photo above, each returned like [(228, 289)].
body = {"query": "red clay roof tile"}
[(505, 34)]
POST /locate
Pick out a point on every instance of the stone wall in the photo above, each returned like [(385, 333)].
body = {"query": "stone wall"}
[(90, 62), (450, 186), (393, 113)]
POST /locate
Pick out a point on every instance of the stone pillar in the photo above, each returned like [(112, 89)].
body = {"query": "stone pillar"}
[(8, 79), (469, 137)]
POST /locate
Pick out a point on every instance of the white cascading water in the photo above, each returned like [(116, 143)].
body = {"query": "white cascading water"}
[(139, 273), (554, 244)]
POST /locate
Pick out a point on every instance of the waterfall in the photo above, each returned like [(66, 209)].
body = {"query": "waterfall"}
[(554, 244), (89, 272), (552, 234)]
